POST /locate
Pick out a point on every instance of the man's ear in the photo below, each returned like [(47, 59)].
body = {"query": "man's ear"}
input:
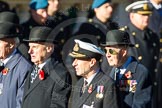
[(92, 62), (50, 48), (124, 52)]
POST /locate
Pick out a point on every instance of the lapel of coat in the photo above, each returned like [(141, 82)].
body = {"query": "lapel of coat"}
[(94, 84), (29, 87), (27, 84), (77, 92), (46, 68), (13, 62), (112, 73), (131, 67)]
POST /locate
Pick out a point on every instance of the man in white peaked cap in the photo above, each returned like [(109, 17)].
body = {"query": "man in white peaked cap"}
[(94, 89)]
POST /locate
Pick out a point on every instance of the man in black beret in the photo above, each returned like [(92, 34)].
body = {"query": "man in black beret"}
[(133, 82), (48, 84), (94, 89), (14, 67)]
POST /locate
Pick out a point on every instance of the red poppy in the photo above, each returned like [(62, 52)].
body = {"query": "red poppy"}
[(5, 71), (90, 89), (128, 75), (41, 75)]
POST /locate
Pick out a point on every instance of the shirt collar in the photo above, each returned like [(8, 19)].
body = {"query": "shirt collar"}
[(89, 80), (41, 65), (123, 68)]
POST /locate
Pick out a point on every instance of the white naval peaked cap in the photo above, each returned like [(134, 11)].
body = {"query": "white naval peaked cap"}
[(85, 50), (140, 7), (89, 46)]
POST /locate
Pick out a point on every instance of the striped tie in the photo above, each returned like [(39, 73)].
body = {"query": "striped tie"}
[(34, 74)]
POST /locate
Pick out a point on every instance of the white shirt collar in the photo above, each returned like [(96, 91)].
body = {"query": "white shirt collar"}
[(122, 71), (41, 65), (89, 80)]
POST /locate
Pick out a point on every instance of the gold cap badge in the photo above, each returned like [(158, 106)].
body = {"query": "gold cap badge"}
[(76, 47), (145, 7)]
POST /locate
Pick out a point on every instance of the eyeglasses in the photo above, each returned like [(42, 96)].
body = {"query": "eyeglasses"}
[(111, 51)]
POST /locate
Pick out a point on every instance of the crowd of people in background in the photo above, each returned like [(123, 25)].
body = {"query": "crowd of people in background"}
[(109, 56)]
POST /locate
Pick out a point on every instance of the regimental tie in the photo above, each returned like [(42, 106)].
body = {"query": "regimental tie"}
[(85, 85), (34, 74)]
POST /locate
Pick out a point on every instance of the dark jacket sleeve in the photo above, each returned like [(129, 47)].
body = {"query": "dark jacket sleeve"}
[(142, 96), (111, 96), (62, 87)]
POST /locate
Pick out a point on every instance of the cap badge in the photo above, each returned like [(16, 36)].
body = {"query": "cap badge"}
[(76, 47), (145, 7)]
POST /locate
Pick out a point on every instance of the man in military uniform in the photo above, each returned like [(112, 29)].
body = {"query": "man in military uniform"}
[(57, 21), (132, 79), (146, 41), (94, 89), (38, 16), (155, 24), (101, 22), (146, 49)]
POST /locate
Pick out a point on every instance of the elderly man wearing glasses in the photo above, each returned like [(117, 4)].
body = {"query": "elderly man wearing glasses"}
[(132, 79)]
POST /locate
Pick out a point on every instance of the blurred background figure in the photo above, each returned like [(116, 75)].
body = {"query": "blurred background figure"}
[(4, 6), (101, 21), (38, 16), (155, 23), (119, 14), (53, 7)]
